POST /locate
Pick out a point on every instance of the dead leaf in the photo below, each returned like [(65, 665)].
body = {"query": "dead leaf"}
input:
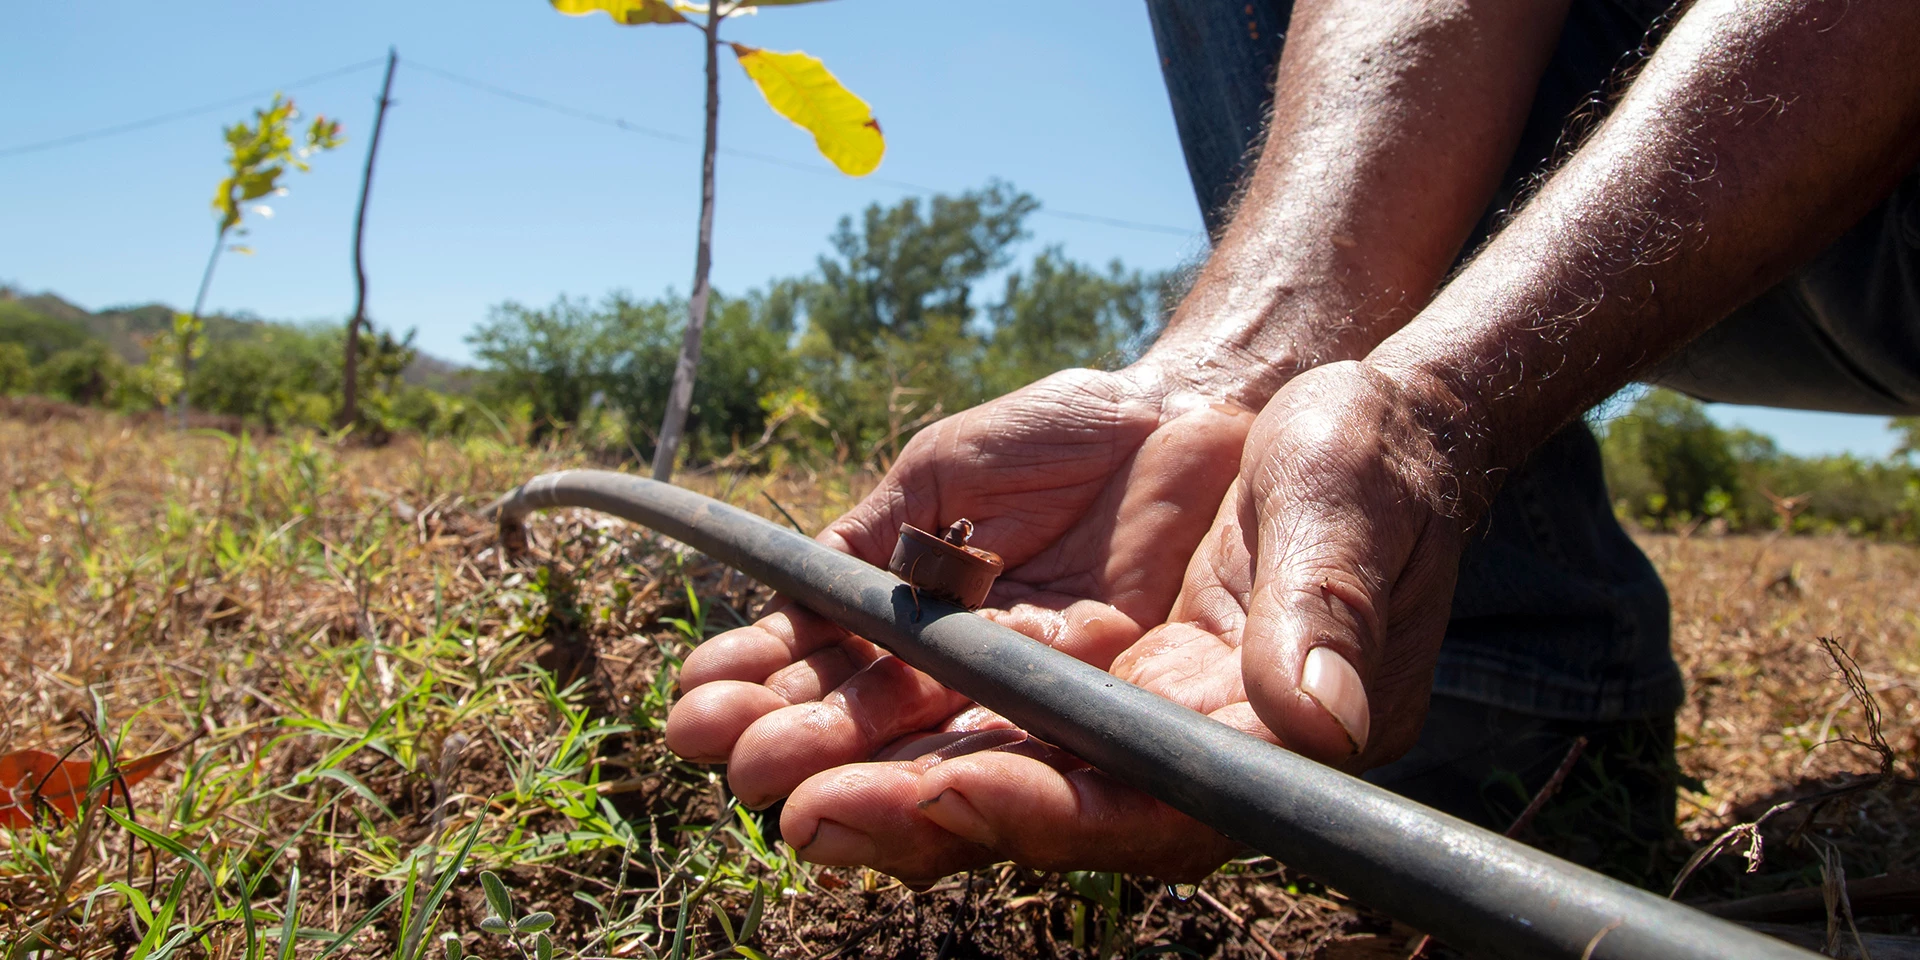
[(61, 783)]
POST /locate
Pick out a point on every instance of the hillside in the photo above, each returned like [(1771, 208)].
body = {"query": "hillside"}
[(45, 323)]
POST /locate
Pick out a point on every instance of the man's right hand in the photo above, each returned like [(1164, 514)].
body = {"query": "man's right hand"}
[(1094, 488)]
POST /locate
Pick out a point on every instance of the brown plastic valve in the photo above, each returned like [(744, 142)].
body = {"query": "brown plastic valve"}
[(946, 567)]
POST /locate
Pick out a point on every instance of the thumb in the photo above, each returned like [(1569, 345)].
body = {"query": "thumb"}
[(1314, 627)]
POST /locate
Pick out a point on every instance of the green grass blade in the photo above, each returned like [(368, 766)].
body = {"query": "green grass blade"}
[(366, 919), (290, 915), (447, 876)]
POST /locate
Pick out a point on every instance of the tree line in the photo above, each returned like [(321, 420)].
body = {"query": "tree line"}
[(1671, 467), (895, 327)]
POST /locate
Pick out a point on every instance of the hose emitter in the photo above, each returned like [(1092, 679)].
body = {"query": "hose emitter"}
[(945, 567)]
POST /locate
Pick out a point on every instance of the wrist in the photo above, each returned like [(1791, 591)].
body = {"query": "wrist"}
[(1449, 435)]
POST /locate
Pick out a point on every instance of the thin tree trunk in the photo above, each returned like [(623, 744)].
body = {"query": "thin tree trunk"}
[(350, 370), (186, 338), (673, 426)]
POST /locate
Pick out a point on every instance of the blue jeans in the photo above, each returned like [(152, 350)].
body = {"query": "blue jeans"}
[(1560, 624)]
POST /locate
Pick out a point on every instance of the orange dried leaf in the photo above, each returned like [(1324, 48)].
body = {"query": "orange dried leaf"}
[(59, 783)]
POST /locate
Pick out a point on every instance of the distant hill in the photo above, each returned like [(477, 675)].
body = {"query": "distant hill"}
[(46, 323)]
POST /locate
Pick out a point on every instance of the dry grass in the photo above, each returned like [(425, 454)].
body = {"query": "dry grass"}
[(367, 685)]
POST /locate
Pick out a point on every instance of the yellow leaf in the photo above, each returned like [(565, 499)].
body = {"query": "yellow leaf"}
[(799, 88), (627, 12)]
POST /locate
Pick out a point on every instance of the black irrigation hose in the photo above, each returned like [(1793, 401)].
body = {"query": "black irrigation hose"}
[(1473, 889)]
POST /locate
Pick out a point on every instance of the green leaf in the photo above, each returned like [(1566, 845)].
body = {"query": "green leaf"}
[(533, 922), (290, 915), (452, 944), (353, 783), (756, 907), (748, 952), (542, 948), (170, 845), (497, 896), (495, 925), (726, 925), (439, 891), (366, 920), (800, 88), (629, 13), (135, 898)]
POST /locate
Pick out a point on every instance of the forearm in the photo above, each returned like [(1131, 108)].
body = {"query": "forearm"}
[(1392, 123), (1755, 135)]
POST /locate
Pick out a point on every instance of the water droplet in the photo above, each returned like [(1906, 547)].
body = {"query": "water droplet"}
[(1182, 891)]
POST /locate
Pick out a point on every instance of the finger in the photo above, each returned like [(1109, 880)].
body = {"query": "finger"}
[(923, 819), (868, 815), (1314, 623), (708, 719), (1026, 810), (884, 701), (785, 635), (1352, 585)]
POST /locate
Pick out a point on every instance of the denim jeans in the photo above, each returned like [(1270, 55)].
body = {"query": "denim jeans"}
[(1559, 623)]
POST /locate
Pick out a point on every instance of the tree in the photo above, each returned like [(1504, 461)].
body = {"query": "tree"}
[(1908, 429), (906, 264), (798, 87), (258, 153), (557, 359), (1666, 457), (1058, 314)]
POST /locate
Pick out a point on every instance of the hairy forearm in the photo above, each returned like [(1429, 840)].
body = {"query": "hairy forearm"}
[(1758, 132), (1392, 123)]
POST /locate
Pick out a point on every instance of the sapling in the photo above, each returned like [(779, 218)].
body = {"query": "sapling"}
[(258, 153), (798, 87)]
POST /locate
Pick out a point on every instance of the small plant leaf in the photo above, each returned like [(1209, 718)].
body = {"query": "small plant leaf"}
[(800, 88), (630, 13), (542, 948), (452, 945), (726, 925), (533, 922), (495, 925), (497, 896), (756, 907), (290, 915)]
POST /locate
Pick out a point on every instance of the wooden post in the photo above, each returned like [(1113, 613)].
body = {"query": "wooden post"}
[(350, 370)]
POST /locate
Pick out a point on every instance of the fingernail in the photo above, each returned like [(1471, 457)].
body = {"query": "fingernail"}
[(1333, 683), (956, 815), (834, 845)]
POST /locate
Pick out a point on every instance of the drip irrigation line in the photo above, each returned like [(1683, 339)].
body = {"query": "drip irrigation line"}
[(1477, 891), (164, 118), (620, 123)]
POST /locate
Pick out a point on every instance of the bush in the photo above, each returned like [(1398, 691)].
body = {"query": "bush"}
[(85, 374), (16, 369), (1668, 465)]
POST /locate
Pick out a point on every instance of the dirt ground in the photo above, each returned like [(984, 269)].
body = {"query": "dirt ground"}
[(363, 680)]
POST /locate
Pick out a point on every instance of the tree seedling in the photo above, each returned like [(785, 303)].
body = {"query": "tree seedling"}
[(258, 153), (798, 87)]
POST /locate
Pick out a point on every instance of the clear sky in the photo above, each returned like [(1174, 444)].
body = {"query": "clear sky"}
[(480, 199)]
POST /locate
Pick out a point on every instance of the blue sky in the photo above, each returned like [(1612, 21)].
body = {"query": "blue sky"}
[(480, 199)]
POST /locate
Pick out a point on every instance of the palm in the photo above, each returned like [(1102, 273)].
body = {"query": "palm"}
[(1090, 499)]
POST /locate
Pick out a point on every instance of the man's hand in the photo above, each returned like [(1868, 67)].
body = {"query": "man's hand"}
[(1094, 488), (1310, 616)]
